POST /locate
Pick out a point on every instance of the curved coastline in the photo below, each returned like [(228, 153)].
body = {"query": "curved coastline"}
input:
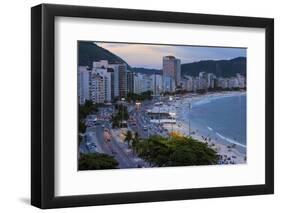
[(207, 98), (221, 142)]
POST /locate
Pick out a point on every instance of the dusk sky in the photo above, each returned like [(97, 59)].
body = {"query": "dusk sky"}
[(150, 56)]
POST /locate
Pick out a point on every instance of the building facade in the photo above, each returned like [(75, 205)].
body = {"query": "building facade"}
[(84, 77), (115, 80), (157, 86), (171, 73), (103, 72), (130, 81), (169, 66), (143, 83), (241, 80), (178, 72), (187, 83), (97, 88), (122, 75)]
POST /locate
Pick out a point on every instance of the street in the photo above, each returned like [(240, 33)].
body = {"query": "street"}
[(98, 138), (113, 148)]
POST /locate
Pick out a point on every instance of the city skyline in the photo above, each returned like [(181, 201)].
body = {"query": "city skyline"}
[(131, 119), (150, 55)]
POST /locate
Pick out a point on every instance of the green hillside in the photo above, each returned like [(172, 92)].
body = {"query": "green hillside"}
[(89, 52), (221, 68)]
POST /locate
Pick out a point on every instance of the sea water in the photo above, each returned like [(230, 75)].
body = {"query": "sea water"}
[(222, 118)]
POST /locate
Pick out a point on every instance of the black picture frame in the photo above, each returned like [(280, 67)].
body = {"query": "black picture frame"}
[(43, 105)]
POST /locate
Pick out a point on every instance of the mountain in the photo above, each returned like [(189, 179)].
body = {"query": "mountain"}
[(89, 52), (221, 68), (147, 70)]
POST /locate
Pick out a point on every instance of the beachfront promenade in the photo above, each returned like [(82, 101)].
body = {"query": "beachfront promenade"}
[(141, 122)]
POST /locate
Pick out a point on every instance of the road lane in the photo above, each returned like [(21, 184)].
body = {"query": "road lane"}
[(112, 148)]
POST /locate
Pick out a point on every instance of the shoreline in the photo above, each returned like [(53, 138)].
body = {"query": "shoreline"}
[(232, 151), (214, 95), (231, 155)]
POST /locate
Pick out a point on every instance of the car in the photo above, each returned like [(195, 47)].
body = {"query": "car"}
[(91, 145)]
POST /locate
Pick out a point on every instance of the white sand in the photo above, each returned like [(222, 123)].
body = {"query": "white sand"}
[(229, 154), (221, 149)]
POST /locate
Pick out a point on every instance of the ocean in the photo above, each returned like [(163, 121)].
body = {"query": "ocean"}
[(222, 118)]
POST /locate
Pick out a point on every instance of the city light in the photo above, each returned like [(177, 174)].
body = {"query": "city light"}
[(120, 103)]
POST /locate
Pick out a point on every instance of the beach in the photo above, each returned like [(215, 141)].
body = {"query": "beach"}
[(230, 150)]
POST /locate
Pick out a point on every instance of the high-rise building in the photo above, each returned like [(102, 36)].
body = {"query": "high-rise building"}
[(115, 79), (241, 80), (169, 84), (178, 71), (100, 64), (169, 66), (138, 83), (97, 88), (130, 81), (157, 84), (84, 75), (222, 83), (187, 83), (148, 82), (211, 80), (203, 81), (196, 81), (122, 74), (233, 83), (171, 73), (112, 80), (103, 72)]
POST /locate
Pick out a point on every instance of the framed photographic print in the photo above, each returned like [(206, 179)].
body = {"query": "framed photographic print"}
[(139, 106)]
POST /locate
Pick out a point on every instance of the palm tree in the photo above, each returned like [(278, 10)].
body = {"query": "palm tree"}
[(135, 141), (136, 136), (129, 137)]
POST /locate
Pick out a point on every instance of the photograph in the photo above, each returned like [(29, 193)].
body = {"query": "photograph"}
[(160, 105), (133, 105)]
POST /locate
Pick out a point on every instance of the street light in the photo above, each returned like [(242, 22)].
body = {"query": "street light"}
[(138, 104), (159, 115), (122, 113), (173, 115)]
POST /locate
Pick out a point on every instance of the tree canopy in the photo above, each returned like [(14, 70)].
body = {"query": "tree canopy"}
[(175, 151), (147, 95), (129, 137), (94, 161), (87, 108), (120, 116), (84, 110)]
